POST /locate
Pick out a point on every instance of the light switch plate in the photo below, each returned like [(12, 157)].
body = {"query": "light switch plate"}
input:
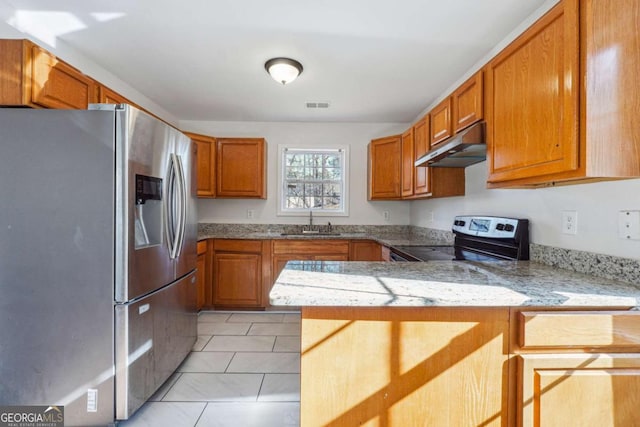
[(629, 225)]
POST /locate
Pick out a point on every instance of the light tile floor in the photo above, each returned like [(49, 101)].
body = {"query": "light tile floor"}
[(244, 371)]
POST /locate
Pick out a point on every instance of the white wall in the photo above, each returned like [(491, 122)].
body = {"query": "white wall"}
[(355, 135), (597, 205)]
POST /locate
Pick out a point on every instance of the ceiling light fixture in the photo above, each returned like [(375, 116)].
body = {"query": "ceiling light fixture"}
[(283, 70)]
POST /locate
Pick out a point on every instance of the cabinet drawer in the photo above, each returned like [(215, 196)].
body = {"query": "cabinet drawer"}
[(202, 247), (333, 247), (573, 329), (238, 245)]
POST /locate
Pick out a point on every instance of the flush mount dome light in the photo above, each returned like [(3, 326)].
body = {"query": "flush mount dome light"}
[(283, 70)]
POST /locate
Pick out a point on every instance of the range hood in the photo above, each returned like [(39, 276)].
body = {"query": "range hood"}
[(464, 149)]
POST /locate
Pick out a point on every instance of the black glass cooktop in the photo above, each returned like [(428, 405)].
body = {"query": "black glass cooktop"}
[(428, 253)]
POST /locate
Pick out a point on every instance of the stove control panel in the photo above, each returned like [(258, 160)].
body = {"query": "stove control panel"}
[(488, 226)]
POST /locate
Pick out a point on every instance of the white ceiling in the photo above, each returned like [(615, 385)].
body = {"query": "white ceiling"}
[(372, 60)]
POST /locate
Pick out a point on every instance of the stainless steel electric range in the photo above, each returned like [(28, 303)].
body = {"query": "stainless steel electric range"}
[(477, 238)]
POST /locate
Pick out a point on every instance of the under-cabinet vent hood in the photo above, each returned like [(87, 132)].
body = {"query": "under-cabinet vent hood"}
[(464, 149)]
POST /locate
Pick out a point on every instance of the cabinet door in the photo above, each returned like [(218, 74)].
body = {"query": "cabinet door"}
[(440, 122), (468, 103), (108, 96), (579, 390), (237, 279), (240, 168), (201, 265), (279, 261), (532, 100), (206, 147), (365, 250), (385, 168), (407, 163), (433, 366), (58, 85), (15, 78), (307, 249), (611, 66), (421, 178)]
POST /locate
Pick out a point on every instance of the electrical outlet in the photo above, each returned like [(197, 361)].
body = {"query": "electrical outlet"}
[(385, 215), (569, 222), (629, 225), (250, 213)]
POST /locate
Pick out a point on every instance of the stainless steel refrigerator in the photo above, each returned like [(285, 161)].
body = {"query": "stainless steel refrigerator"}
[(98, 231)]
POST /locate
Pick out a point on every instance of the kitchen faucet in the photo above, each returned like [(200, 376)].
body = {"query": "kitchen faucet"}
[(310, 220)]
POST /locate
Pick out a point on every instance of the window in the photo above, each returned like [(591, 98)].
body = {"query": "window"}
[(313, 179)]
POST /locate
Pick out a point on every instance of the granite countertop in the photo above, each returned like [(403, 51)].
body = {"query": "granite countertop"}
[(445, 283)]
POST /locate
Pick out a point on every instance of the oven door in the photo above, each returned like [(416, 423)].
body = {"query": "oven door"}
[(485, 249)]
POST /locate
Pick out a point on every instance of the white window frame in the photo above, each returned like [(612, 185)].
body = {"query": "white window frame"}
[(282, 211)]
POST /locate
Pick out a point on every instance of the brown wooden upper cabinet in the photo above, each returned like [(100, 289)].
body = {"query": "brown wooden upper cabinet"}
[(108, 96), (384, 168), (241, 168), (468, 103), (561, 97), (388, 164), (421, 182), (30, 76), (440, 122), (532, 100), (408, 159), (206, 146)]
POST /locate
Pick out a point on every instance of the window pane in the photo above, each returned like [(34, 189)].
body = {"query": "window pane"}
[(313, 160), (295, 173), (294, 160), (313, 173), (295, 203), (333, 174), (331, 203), (295, 189), (312, 189), (331, 190), (332, 161)]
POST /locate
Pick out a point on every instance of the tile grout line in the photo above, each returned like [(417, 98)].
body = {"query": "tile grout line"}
[(169, 389), (260, 388), (201, 414)]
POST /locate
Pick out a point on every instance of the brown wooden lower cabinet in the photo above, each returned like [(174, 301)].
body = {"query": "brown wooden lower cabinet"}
[(365, 250), (579, 390), (404, 366), (239, 273), (577, 368), (307, 249), (467, 366), (202, 277)]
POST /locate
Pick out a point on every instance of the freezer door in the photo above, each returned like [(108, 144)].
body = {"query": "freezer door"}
[(153, 336), (143, 262)]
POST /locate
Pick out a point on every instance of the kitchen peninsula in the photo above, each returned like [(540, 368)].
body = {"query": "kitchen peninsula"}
[(463, 343)]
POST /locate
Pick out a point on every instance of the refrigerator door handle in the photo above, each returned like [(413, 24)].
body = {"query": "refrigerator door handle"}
[(172, 206), (182, 206)]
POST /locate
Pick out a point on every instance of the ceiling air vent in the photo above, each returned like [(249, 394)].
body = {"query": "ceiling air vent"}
[(317, 105)]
